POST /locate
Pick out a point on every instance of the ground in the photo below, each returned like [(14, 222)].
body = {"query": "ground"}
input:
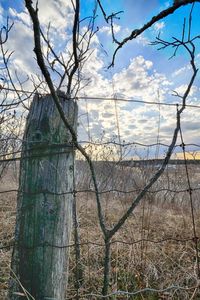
[(154, 249)]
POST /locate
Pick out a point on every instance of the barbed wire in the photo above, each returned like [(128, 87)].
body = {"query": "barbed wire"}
[(67, 146), (47, 244), (103, 143), (151, 164), (149, 177), (101, 192), (138, 292), (96, 98)]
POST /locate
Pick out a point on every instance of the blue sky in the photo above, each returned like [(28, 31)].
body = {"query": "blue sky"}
[(140, 72), (134, 16)]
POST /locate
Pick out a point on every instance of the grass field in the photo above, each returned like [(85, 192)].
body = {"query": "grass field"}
[(154, 248)]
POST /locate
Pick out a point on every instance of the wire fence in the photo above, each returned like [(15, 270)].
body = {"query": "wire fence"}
[(154, 253)]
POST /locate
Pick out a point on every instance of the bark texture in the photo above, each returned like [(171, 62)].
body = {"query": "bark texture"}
[(44, 209)]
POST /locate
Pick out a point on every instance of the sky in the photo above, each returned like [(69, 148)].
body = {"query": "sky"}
[(141, 72)]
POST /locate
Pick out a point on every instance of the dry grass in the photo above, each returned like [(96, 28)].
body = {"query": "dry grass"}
[(7, 217), (133, 266), (144, 264)]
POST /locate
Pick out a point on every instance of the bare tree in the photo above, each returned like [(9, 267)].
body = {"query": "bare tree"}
[(70, 79), (71, 70)]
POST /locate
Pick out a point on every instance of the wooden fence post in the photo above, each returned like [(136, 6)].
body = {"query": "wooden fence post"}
[(44, 209)]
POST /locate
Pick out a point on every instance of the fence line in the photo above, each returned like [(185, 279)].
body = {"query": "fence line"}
[(135, 251), (103, 192), (160, 241), (116, 99)]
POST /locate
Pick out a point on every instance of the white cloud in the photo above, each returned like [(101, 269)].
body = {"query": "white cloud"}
[(107, 29), (22, 58), (21, 17), (142, 40), (1, 16), (180, 71), (137, 122), (138, 80), (55, 12), (182, 88), (21, 36), (159, 26), (167, 4)]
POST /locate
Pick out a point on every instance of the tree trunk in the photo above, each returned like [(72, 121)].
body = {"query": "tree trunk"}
[(44, 209)]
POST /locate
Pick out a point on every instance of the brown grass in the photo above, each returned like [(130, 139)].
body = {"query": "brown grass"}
[(133, 266)]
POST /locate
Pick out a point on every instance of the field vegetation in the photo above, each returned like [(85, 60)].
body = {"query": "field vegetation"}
[(154, 250)]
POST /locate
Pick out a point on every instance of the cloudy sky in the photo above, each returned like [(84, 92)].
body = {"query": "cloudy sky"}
[(141, 72)]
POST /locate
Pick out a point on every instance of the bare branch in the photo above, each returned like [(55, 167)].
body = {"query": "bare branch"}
[(45, 72), (175, 135), (136, 32)]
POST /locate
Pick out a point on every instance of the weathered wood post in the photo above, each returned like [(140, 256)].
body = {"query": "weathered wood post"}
[(44, 211)]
